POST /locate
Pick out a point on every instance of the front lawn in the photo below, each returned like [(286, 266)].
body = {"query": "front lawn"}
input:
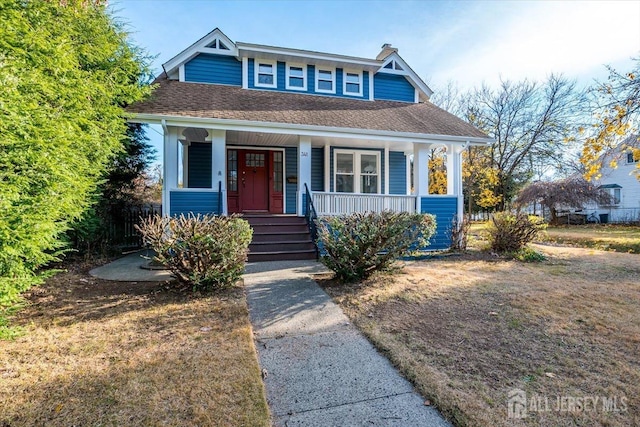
[(466, 330), (619, 238), (97, 352)]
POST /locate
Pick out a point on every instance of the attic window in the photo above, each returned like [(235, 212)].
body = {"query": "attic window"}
[(217, 45), (393, 65)]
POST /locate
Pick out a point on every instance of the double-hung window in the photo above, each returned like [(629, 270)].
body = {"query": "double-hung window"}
[(352, 83), (266, 73), (296, 77), (631, 158), (325, 80), (357, 172)]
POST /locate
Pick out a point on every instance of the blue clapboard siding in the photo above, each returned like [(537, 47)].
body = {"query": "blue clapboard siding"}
[(397, 173), (291, 166), (209, 68), (391, 87), (444, 208), (317, 169), (199, 170), (194, 202), (382, 172)]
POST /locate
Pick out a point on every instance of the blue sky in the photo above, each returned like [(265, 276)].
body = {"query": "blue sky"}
[(463, 41)]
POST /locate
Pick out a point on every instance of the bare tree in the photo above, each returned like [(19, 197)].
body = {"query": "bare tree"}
[(572, 192), (530, 123)]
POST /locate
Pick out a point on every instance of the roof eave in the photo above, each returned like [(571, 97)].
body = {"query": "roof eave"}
[(307, 130)]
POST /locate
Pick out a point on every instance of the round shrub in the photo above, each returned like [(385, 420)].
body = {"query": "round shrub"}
[(510, 232), (207, 252), (356, 245)]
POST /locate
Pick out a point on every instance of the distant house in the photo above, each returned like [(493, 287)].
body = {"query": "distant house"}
[(623, 185), (263, 130)]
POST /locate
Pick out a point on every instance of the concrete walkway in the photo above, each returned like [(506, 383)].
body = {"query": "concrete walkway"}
[(129, 269), (320, 371)]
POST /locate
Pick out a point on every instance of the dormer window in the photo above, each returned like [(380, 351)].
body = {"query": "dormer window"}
[(325, 80), (352, 83), (266, 74), (296, 77)]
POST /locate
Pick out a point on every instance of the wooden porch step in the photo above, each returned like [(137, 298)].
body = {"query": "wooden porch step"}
[(280, 236), (282, 255), (285, 245), (280, 228), (255, 220)]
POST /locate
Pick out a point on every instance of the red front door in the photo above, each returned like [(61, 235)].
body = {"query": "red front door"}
[(254, 181)]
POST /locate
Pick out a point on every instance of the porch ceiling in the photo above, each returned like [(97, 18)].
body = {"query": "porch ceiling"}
[(259, 139)]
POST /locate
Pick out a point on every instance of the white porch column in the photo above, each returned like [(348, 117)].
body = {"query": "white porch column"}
[(327, 168), (219, 163), (451, 154), (170, 178), (304, 169), (386, 168), (407, 157), (421, 172), (184, 146)]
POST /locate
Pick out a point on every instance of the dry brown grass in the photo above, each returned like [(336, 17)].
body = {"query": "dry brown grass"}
[(467, 329), (124, 354)]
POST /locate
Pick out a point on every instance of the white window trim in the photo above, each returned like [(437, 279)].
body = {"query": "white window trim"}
[(256, 74), (333, 79), (360, 84), (357, 173), (304, 77)]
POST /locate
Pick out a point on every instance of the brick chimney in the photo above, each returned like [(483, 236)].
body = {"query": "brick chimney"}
[(386, 51)]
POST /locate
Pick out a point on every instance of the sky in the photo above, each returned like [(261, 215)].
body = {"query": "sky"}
[(467, 42)]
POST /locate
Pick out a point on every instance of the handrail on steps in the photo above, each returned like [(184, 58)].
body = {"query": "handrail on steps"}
[(310, 215)]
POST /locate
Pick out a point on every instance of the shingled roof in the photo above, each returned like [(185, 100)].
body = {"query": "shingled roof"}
[(173, 98)]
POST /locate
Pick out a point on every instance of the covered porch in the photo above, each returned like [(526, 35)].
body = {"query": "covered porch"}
[(269, 171)]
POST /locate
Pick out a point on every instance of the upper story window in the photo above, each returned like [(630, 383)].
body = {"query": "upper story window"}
[(266, 73), (296, 77), (352, 83), (325, 80), (630, 158)]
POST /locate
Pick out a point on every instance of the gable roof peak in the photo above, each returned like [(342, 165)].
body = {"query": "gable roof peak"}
[(387, 50)]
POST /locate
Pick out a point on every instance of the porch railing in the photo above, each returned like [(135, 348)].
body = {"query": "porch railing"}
[(343, 203)]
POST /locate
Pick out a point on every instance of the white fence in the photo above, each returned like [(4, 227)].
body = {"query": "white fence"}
[(343, 203)]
